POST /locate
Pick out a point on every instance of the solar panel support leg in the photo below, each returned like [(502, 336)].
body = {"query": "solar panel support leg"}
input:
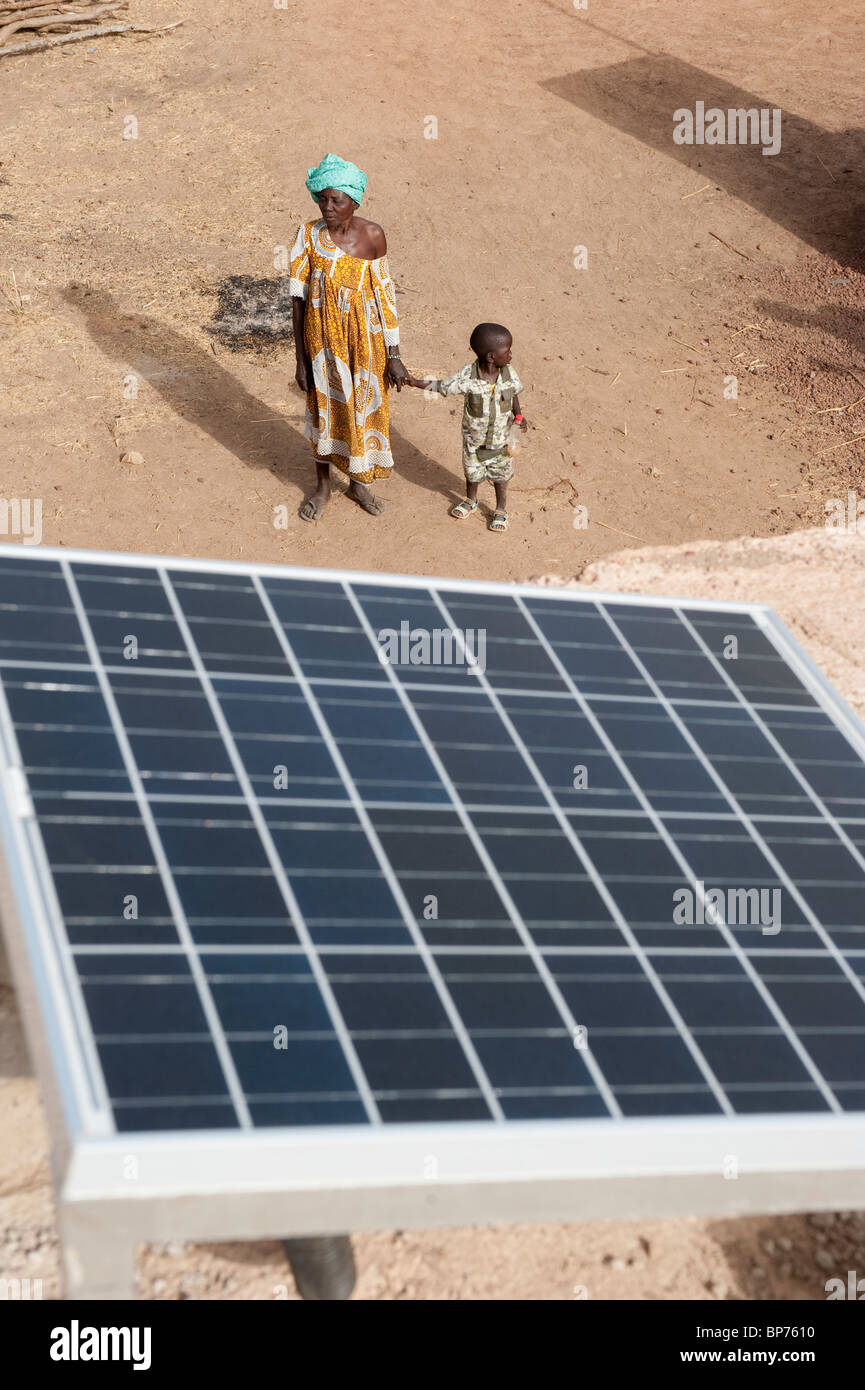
[(323, 1266), (99, 1261)]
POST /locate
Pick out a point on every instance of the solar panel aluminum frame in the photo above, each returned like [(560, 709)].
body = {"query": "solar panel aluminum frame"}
[(116, 1190)]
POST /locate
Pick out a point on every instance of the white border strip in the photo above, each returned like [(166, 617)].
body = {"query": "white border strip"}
[(387, 581), (840, 712), (80, 1083), (367, 1161)]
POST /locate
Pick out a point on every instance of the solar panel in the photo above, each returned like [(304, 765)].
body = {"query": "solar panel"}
[(346, 900)]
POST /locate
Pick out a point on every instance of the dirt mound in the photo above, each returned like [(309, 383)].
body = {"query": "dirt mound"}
[(807, 577), (807, 340)]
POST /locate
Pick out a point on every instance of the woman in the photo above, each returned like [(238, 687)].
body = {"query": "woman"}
[(346, 336)]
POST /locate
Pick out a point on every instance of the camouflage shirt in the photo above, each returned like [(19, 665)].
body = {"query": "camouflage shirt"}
[(487, 410)]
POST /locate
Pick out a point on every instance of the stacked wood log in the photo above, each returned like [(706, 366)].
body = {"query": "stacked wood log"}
[(28, 26)]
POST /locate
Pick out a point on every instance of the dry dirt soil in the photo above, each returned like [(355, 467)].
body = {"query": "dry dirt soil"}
[(553, 131)]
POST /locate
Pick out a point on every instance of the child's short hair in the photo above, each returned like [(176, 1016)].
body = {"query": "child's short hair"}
[(485, 337)]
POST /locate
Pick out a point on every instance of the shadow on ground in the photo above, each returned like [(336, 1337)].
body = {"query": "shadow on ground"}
[(198, 389), (789, 1257), (814, 187)]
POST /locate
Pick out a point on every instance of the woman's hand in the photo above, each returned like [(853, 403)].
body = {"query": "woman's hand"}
[(303, 375), (397, 374)]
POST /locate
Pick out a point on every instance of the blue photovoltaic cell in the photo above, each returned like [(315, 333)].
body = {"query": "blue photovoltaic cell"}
[(305, 885)]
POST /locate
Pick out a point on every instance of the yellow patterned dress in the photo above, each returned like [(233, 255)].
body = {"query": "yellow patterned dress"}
[(350, 323)]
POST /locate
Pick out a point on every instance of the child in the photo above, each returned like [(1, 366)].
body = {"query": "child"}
[(489, 386)]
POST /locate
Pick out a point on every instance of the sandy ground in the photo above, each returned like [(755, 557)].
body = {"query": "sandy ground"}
[(703, 263), (119, 243)]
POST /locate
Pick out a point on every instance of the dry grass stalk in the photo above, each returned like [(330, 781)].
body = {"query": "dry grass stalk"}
[(681, 343), (695, 192), (855, 439), (629, 534), (729, 247)]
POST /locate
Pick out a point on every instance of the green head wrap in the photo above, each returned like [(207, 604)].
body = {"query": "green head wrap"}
[(334, 172)]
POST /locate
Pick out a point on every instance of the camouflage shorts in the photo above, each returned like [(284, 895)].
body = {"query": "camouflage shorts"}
[(498, 469)]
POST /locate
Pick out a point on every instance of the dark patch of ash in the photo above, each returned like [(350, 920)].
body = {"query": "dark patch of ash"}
[(252, 314)]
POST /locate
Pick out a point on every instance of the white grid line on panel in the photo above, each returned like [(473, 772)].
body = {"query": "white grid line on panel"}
[(494, 876), (790, 1033), (230, 799), (597, 879), (226, 1061), (171, 673), (385, 865), (660, 827), (276, 865), (830, 945), (707, 953)]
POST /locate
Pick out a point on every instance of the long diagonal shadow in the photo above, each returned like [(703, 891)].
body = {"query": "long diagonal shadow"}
[(813, 187), (194, 384)]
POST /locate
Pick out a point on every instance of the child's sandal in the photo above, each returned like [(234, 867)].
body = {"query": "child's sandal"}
[(499, 522), (463, 509)]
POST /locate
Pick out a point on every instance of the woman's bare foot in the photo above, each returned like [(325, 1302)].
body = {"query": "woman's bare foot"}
[(313, 508), (360, 493)]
